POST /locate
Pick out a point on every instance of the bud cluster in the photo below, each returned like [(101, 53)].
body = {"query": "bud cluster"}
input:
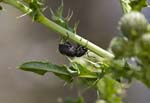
[(132, 47)]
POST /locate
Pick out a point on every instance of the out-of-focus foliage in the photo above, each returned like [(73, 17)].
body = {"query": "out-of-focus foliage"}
[(109, 90), (133, 5), (1, 8), (134, 58), (129, 25), (137, 5), (72, 100)]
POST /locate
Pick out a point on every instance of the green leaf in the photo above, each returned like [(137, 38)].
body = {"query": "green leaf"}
[(67, 78), (137, 5), (43, 67), (109, 89), (125, 5), (145, 75), (71, 100), (133, 5), (83, 70)]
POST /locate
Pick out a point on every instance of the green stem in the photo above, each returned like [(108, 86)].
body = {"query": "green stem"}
[(62, 31), (125, 6), (17, 4), (74, 37), (123, 9)]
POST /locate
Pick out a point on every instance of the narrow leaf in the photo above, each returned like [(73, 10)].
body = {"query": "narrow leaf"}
[(43, 67)]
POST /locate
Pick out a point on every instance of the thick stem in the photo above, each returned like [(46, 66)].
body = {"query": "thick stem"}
[(62, 31)]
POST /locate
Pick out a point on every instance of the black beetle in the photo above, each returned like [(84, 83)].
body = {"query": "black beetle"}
[(67, 49), (80, 51), (72, 50)]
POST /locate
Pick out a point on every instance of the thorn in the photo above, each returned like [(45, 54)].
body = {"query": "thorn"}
[(33, 19), (59, 11), (65, 83), (69, 16), (40, 3), (53, 16), (18, 17), (51, 11), (76, 26), (44, 8)]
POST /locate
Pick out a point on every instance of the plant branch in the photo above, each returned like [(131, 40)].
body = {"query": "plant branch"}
[(60, 30), (17, 4)]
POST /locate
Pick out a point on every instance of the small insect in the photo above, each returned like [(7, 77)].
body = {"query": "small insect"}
[(72, 50), (67, 49), (80, 50)]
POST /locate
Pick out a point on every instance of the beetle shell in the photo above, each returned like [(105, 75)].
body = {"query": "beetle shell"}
[(72, 50)]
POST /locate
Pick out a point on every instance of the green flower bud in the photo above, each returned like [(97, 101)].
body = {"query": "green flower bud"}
[(142, 48), (118, 45), (145, 42), (133, 25)]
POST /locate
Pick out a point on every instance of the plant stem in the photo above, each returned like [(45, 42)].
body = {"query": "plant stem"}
[(125, 6), (60, 30), (74, 37), (123, 9), (17, 4)]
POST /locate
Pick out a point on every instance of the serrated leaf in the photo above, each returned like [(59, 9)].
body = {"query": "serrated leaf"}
[(43, 67)]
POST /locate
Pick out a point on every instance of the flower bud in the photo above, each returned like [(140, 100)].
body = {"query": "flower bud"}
[(118, 45), (133, 25), (145, 42)]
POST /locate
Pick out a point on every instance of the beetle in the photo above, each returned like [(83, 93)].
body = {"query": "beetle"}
[(67, 49), (72, 50), (80, 50)]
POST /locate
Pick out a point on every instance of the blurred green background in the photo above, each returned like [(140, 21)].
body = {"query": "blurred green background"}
[(23, 40)]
